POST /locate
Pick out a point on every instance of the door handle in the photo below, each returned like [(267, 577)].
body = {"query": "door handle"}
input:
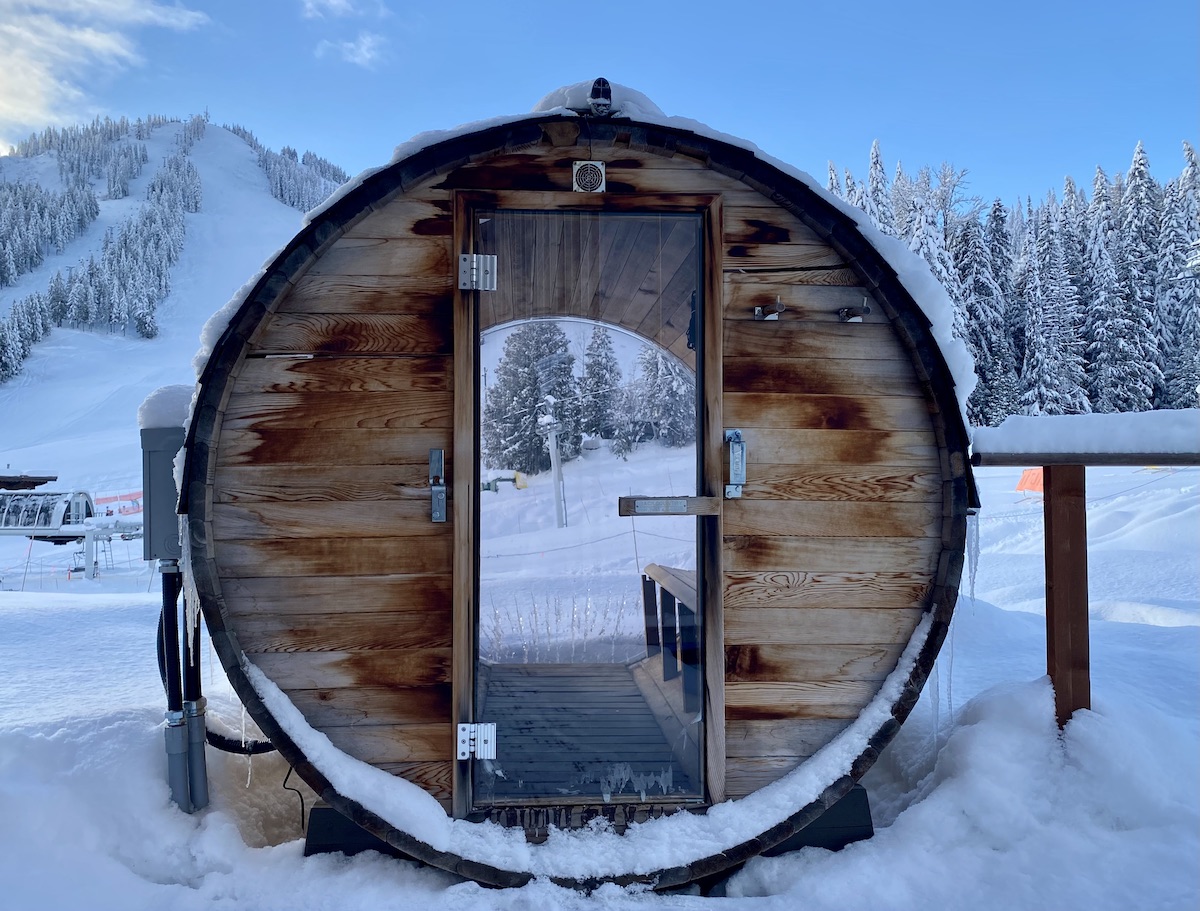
[(737, 464), (437, 484), (668, 506)]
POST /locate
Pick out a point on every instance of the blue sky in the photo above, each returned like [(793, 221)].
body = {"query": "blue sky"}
[(1019, 93)]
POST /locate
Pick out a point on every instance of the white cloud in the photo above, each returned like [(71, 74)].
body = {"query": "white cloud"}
[(319, 9), (48, 47), (365, 51)]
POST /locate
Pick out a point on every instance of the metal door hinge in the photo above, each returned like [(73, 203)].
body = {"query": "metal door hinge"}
[(477, 272), (478, 740)]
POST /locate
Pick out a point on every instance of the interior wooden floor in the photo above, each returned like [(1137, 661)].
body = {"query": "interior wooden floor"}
[(574, 733)]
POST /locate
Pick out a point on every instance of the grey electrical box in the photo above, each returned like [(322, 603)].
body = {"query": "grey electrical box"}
[(160, 539)]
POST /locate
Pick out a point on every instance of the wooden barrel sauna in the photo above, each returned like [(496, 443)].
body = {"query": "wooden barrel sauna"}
[(374, 574)]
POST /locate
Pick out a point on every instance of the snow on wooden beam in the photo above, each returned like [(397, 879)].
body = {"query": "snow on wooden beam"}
[(1063, 445), (1167, 438)]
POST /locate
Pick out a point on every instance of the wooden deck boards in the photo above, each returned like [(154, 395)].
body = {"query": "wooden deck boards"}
[(574, 732)]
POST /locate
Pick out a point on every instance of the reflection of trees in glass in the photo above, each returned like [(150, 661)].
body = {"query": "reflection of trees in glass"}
[(600, 388), (535, 392), (659, 404)]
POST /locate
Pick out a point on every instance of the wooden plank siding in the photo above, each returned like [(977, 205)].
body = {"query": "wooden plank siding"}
[(343, 592), (830, 554), (335, 580)]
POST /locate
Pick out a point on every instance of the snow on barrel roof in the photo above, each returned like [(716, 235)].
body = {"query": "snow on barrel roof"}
[(913, 272)]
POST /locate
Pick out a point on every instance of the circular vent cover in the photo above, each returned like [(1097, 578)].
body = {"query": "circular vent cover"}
[(587, 176)]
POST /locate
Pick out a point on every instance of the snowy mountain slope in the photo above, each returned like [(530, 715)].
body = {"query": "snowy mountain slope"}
[(73, 409)]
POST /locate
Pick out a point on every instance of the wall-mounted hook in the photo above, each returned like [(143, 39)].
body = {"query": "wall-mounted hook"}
[(769, 312), (855, 314)]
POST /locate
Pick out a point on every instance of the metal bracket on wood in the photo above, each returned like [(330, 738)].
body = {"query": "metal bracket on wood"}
[(437, 484), (737, 464), (478, 740), (477, 272)]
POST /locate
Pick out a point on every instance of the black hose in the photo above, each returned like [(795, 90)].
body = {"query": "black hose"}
[(213, 738), (168, 641), (235, 745)]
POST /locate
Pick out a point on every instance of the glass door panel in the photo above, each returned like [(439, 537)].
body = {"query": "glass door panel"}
[(588, 625)]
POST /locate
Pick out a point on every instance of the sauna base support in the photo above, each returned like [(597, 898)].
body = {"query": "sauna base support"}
[(847, 821)]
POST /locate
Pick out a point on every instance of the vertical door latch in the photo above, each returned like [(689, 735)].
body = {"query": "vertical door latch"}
[(437, 484), (478, 740), (737, 464)]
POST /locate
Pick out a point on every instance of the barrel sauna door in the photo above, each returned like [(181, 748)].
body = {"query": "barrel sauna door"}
[(586, 542)]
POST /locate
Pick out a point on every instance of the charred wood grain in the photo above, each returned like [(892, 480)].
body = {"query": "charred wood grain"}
[(363, 333), (377, 744), (335, 556), (425, 595), (874, 483), (345, 374), (338, 670), (790, 336), (819, 626), (809, 663), (825, 412), (331, 630), (830, 518), (820, 376), (768, 553), (830, 590), (367, 706), (773, 446), (273, 447), (334, 483)]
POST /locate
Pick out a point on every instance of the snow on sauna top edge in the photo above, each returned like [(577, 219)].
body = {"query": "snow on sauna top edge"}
[(913, 272)]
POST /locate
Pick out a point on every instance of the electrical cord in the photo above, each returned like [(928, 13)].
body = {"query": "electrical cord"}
[(214, 738)]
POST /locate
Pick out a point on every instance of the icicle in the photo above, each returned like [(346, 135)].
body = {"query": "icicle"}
[(950, 674), (972, 552), (935, 699), (249, 757), (191, 598)]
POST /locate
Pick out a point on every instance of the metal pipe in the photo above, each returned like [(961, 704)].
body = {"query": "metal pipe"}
[(197, 762), (193, 706)]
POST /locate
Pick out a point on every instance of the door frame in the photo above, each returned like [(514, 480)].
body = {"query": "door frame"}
[(464, 485)]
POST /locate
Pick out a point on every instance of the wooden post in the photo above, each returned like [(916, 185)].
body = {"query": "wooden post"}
[(1067, 649)]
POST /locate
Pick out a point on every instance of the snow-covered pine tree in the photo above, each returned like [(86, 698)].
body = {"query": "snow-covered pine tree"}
[(879, 194), (1137, 270), (666, 397), (1073, 232), (995, 395), (627, 428), (853, 191), (1116, 381), (534, 387), (902, 193), (1178, 299), (600, 386), (10, 353), (1063, 316), (928, 241), (832, 184)]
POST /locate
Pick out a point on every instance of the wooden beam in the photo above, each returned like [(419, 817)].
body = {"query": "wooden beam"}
[(1099, 459), (1067, 650)]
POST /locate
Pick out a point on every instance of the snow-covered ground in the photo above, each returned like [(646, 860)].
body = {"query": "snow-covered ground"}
[(980, 802)]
